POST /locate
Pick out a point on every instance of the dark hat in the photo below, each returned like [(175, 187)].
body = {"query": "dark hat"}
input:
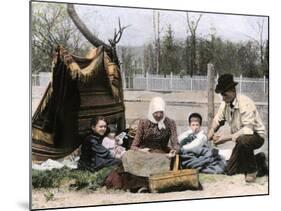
[(225, 82)]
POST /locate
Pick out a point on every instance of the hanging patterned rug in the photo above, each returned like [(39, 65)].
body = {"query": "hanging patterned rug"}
[(81, 88)]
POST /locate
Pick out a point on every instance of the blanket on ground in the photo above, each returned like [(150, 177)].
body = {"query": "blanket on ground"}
[(204, 159)]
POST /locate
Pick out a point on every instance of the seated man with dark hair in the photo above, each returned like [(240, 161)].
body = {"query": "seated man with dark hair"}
[(247, 129)]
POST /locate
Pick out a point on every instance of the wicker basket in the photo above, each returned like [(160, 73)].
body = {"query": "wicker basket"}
[(174, 180)]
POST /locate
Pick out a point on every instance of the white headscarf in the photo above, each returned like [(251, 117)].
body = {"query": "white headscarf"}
[(157, 104)]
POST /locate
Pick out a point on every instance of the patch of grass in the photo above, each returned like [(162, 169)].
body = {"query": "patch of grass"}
[(49, 195), (75, 179)]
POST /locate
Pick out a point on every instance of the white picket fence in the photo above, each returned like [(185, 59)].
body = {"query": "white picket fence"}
[(172, 82), (176, 83), (42, 79)]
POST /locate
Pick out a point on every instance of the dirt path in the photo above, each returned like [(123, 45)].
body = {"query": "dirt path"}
[(213, 186)]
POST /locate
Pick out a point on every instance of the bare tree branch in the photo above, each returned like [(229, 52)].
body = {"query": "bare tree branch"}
[(259, 38), (118, 35), (50, 42), (196, 24), (188, 22), (252, 38), (193, 27)]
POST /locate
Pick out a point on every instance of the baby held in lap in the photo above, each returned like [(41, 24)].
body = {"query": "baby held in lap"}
[(113, 143)]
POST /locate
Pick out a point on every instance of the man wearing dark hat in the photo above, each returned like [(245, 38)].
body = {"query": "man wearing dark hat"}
[(247, 129)]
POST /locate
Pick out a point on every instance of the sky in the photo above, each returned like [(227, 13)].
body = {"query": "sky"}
[(103, 21)]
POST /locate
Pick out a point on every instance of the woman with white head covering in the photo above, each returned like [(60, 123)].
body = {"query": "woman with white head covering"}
[(158, 133), (154, 145), (156, 112)]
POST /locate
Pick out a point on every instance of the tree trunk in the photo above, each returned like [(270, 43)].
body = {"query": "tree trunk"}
[(192, 25), (156, 25), (193, 55)]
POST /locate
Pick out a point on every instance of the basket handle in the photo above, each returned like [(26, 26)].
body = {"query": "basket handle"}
[(176, 163)]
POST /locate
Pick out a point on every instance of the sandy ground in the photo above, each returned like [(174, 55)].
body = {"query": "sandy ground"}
[(216, 186)]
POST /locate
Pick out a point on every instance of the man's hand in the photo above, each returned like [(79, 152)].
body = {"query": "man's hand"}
[(217, 139), (211, 134)]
